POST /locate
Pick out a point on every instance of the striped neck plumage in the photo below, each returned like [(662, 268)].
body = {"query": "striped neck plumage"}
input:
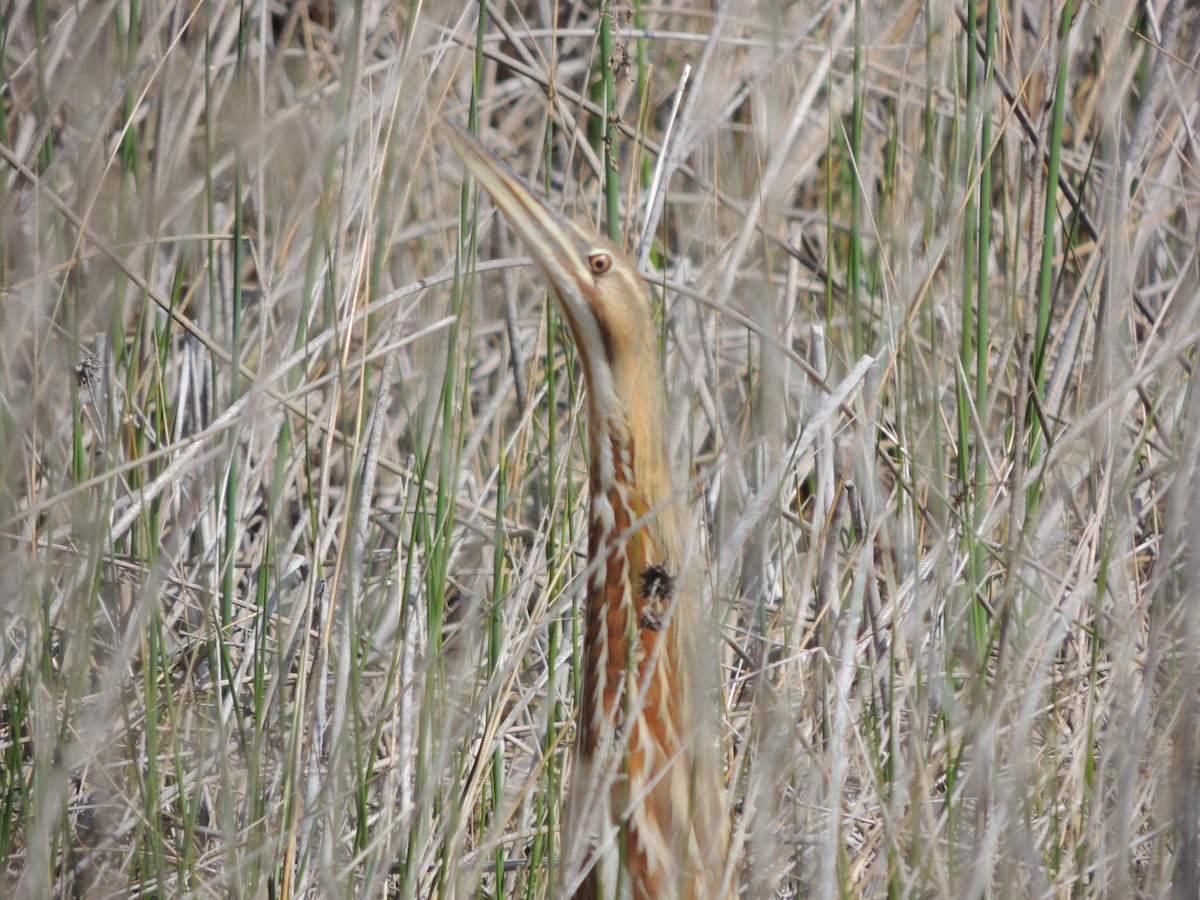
[(627, 430)]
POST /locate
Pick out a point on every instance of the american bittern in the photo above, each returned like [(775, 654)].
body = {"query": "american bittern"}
[(644, 813)]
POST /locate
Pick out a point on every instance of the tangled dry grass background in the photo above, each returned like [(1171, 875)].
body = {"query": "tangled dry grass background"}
[(291, 501)]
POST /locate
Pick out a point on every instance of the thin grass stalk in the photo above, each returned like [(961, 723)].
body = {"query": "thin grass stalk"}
[(493, 801), (608, 128), (969, 150), (1045, 284), (854, 253), (979, 493)]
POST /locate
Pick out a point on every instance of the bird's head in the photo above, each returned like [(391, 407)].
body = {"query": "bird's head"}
[(598, 289)]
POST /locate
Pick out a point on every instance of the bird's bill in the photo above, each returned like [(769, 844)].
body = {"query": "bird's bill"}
[(558, 246)]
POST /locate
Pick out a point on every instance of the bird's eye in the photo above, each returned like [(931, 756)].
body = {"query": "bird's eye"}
[(600, 263)]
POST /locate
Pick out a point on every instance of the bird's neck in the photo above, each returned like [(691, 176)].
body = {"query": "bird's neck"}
[(629, 425), (630, 467)]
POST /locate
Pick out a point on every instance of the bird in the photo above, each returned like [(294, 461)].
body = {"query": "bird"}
[(644, 816)]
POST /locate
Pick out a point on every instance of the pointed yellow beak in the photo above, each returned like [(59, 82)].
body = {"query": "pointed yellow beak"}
[(570, 257)]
